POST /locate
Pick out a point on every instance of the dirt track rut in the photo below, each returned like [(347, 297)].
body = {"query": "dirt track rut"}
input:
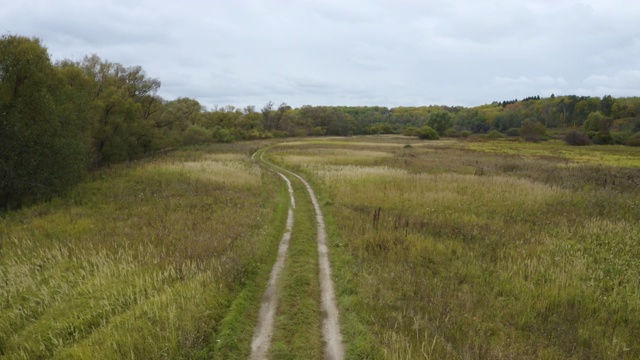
[(334, 348)]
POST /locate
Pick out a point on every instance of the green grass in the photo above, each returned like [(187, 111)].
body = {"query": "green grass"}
[(614, 155), (144, 260), (297, 333), (440, 250), (297, 329), (505, 250), (233, 340)]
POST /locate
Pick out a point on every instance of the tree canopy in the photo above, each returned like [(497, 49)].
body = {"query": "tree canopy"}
[(58, 121)]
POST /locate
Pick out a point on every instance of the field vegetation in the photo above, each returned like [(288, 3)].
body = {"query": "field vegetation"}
[(153, 259), (483, 250)]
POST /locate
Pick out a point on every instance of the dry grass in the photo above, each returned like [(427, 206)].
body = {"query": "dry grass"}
[(141, 261), (232, 169), (446, 252)]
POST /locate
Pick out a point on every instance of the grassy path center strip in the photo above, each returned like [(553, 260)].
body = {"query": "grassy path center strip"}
[(334, 347)]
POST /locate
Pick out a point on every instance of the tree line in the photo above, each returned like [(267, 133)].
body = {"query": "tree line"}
[(58, 121)]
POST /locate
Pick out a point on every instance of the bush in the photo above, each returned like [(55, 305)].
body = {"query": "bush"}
[(634, 140), (621, 137), (428, 133), (196, 135), (513, 132), (411, 131), (533, 130), (318, 131), (451, 132), (577, 138), (602, 138), (465, 133), (279, 133), (224, 135), (495, 134)]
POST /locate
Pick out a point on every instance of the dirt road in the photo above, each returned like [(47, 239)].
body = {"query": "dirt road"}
[(334, 348)]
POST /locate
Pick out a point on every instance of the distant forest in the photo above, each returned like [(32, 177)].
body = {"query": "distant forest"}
[(60, 120)]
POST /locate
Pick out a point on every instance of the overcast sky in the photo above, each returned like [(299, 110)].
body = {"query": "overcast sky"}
[(350, 52)]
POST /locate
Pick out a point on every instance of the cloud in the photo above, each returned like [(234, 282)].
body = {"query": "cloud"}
[(359, 52), (627, 79), (523, 81), (621, 83)]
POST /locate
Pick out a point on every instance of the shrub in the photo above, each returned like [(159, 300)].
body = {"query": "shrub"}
[(279, 133), (533, 130), (635, 127), (428, 133), (465, 133), (577, 138), (451, 132), (318, 131), (602, 138), (223, 135), (495, 134), (196, 134), (411, 131), (513, 132), (634, 140), (621, 137)]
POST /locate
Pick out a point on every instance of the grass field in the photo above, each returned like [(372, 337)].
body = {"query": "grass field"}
[(481, 250), (145, 260), (450, 249)]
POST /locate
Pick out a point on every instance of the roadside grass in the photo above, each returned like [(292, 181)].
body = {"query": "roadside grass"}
[(501, 250), (143, 260)]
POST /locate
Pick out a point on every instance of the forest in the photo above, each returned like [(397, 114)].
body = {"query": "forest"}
[(60, 120)]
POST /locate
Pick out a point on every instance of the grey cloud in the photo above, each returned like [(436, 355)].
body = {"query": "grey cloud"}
[(360, 52), (617, 84)]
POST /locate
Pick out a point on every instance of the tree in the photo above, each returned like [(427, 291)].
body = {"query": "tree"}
[(125, 111), (440, 121), (42, 149), (428, 133), (267, 115), (584, 107), (597, 122), (181, 113), (597, 126), (532, 130), (279, 115), (607, 105)]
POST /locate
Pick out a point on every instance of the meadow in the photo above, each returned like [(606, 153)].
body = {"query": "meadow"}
[(451, 249), (480, 250), (153, 259)]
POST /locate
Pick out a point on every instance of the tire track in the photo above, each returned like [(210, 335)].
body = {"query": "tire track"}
[(334, 348), (264, 328)]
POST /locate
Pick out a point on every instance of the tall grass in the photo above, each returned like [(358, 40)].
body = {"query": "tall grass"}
[(143, 260), (446, 252)]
